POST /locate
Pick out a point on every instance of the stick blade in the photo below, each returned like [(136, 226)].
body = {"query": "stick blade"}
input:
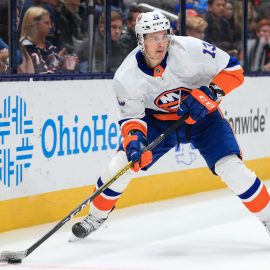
[(5, 256)]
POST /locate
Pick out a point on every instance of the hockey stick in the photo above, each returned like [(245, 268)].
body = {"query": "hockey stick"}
[(17, 256)]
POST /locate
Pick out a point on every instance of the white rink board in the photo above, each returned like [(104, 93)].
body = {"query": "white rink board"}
[(47, 103), (52, 109)]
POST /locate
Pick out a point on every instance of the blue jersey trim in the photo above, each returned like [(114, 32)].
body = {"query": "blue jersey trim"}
[(144, 68), (233, 62)]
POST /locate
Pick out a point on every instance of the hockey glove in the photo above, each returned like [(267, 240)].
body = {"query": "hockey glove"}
[(133, 146), (198, 104)]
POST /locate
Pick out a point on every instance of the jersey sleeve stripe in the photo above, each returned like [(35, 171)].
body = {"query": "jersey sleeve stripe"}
[(229, 80), (233, 68), (131, 124), (233, 61)]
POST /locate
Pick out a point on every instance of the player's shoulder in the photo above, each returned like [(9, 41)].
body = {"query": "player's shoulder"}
[(127, 71), (198, 50), (187, 43), (183, 48)]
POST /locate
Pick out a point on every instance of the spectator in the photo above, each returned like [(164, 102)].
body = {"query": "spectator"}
[(200, 6), (36, 26), (264, 10), (27, 63), (259, 48), (51, 6), (117, 55), (257, 3), (235, 30), (33, 3), (228, 12), (71, 25), (22, 62), (118, 6), (4, 20), (218, 31), (3, 58), (195, 27), (128, 38), (252, 18), (61, 20), (189, 13)]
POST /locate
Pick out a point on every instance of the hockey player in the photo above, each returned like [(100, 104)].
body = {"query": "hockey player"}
[(161, 80)]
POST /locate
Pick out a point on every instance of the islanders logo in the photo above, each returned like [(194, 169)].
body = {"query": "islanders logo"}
[(170, 99), (16, 150)]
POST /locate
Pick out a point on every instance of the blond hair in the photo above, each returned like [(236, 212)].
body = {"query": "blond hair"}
[(29, 25), (196, 23)]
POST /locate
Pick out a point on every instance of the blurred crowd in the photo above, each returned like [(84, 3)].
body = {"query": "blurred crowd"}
[(53, 34)]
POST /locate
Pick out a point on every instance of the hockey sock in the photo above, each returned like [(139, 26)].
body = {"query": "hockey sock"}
[(103, 204), (257, 199), (246, 185)]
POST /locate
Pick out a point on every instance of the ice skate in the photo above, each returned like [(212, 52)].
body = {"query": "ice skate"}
[(88, 225)]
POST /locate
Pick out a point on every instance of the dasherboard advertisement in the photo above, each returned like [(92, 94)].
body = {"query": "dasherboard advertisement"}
[(61, 134)]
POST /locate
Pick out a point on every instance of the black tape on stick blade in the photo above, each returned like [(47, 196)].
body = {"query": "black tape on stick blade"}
[(14, 261)]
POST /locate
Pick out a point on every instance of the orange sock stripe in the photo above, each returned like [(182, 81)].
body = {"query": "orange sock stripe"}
[(104, 204), (260, 202)]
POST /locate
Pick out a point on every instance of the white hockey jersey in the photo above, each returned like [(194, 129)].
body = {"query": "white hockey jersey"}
[(188, 64)]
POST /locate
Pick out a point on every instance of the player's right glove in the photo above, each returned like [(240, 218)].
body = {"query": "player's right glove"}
[(133, 145), (198, 104)]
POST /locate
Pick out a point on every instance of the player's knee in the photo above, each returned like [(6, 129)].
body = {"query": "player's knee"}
[(235, 174), (118, 162)]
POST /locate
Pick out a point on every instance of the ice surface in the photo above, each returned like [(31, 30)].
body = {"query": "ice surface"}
[(207, 231)]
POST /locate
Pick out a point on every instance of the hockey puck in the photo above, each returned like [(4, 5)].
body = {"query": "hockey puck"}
[(14, 261)]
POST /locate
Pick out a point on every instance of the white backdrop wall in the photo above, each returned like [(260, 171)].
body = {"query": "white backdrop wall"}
[(58, 135)]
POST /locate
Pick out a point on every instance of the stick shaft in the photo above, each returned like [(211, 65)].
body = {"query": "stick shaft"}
[(151, 146), (78, 209)]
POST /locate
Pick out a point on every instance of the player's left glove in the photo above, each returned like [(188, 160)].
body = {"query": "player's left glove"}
[(133, 146), (198, 104)]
